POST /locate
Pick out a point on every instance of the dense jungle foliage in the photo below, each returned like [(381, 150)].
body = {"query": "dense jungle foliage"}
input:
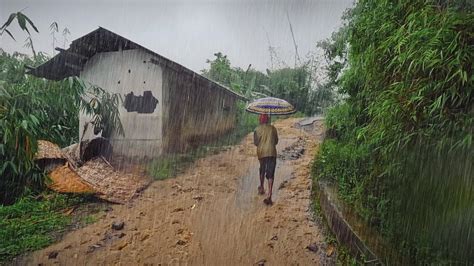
[(400, 146)]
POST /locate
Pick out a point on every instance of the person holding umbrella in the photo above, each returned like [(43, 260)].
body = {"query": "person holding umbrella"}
[(266, 138)]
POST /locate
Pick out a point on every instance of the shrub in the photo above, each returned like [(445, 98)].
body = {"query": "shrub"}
[(403, 138), (32, 109)]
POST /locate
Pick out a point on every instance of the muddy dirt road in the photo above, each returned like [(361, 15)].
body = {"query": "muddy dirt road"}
[(210, 215)]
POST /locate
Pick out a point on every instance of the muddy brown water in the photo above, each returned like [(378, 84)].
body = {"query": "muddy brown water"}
[(210, 215)]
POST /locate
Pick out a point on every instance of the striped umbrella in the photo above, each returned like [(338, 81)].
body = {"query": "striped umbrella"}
[(271, 106)]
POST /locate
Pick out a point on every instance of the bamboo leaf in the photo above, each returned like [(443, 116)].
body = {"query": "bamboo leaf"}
[(9, 33), (31, 23), (9, 21), (22, 21)]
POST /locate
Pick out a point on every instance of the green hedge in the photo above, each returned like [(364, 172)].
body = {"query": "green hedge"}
[(400, 147)]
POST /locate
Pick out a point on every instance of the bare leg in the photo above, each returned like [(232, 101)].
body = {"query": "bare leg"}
[(261, 189), (268, 200), (270, 188)]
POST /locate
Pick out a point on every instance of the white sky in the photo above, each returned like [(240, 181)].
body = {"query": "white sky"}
[(186, 31)]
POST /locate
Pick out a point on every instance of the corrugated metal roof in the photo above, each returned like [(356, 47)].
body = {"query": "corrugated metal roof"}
[(70, 62)]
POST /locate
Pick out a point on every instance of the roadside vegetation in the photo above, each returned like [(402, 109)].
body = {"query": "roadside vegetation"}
[(399, 147), (37, 220), (301, 85), (33, 109), (29, 223)]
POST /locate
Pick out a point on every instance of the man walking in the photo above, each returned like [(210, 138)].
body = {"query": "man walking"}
[(265, 137)]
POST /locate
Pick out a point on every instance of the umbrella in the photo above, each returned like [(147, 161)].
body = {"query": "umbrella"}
[(271, 106)]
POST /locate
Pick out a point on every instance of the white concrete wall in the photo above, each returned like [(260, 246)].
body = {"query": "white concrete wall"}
[(124, 72)]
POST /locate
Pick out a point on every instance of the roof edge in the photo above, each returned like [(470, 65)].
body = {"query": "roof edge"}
[(40, 71)]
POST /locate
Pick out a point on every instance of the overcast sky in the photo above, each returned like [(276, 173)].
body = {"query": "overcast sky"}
[(186, 31)]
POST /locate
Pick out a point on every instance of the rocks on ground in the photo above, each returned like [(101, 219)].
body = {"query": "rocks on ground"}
[(294, 151), (118, 225)]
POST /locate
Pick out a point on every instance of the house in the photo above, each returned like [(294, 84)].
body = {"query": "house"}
[(167, 108)]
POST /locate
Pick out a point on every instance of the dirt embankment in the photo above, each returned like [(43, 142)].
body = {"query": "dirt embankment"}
[(211, 215)]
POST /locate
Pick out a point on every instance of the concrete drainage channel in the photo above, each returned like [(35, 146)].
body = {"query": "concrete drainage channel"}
[(362, 241)]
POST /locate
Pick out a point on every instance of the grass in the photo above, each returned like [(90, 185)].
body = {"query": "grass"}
[(170, 165), (31, 222), (36, 221), (90, 219)]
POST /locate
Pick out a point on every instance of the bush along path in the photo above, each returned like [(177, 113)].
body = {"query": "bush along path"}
[(400, 146), (211, 215)]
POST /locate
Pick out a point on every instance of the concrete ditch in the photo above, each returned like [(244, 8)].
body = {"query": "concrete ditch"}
[(361, 240)]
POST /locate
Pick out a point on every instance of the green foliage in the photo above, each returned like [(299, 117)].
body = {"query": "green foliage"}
[(246, 82), (346, 165), (103, 107), (169, 166), (291, 84), (298, 114), (52, 103), (30, 109), (437, 201), (90, 219), (245, 123), (219, 69), (400, 147), (28, 224), (413, 73), (22, 20), (341, 122), (344, 257), (33, 109)]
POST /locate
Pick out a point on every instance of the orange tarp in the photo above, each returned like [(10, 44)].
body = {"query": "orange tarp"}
[(66, 180), (95, 176)]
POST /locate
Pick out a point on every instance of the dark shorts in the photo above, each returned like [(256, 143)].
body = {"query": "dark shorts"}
[(267, 167)]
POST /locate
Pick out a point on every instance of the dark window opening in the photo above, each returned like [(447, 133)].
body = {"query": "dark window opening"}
[(145, 104)]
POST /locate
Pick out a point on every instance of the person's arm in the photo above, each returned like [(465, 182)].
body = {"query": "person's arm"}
[(276, 135), (255, 138)]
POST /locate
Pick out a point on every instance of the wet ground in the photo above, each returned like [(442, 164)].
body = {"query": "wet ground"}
[(211, 215)]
